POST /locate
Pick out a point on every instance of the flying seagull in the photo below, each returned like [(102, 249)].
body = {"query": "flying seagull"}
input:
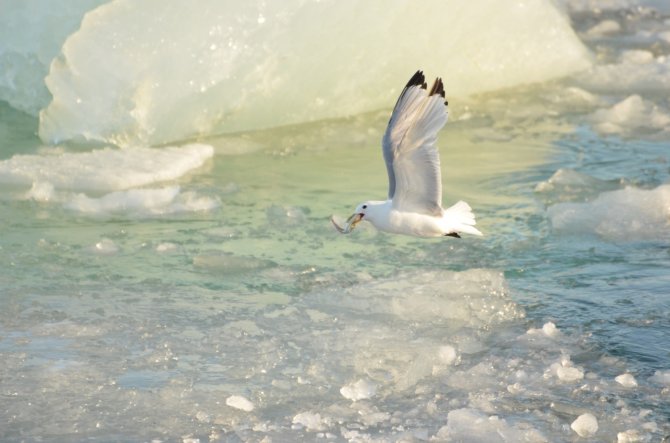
[(414, 204)]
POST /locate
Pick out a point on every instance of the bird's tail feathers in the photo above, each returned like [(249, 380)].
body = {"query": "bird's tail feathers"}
[(460, 218)]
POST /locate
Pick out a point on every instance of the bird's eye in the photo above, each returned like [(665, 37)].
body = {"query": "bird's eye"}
[(365, 206)]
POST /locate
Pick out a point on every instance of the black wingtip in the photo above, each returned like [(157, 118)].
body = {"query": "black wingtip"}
[(417, 80), (452, 234), (437, 88)]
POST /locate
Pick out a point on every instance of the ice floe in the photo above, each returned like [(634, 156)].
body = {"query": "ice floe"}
[(55, 176), (632, 115), (586, 425), (625, 214)]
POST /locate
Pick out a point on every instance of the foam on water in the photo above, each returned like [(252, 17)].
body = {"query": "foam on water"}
[(229, 69)]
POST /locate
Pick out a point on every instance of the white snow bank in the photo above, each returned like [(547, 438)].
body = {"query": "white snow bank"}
[(149, 72), (625, 214), (103, 170)]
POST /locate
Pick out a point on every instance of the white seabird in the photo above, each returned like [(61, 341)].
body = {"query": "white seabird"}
[(414, 204)]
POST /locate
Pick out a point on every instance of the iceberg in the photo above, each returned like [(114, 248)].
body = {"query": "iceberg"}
[(151, 73), (31, 35)]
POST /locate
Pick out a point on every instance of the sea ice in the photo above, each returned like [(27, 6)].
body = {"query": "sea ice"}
[(311, 420), (448, 355), (567, 185), (239, 402), (565, 371), (645, 78), (631, 116), (661, 377), (605, 27), (360, 390), (632, 436), (586, 425), (105, 246), (624, 214), (626, 380), (473, 426), (549, 330), (141, 202), (104, 170), (31, 35), (127, 77)]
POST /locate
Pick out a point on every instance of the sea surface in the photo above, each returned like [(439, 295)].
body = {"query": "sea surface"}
[(190, 287)]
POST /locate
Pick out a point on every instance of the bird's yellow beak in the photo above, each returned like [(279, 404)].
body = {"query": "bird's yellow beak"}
[(352, 221)]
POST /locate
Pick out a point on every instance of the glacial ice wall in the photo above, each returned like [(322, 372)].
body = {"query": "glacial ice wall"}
[(31, 35), (153, 72)]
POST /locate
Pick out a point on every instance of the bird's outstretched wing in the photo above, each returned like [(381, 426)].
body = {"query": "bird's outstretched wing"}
[(412, 159)]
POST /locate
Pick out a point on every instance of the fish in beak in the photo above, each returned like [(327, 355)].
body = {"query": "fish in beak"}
[(352, 221)]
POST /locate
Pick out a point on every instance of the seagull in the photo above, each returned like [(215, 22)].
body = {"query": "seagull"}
[(414, 204)]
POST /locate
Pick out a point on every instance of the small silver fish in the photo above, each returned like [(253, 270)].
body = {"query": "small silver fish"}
[(352, 221)]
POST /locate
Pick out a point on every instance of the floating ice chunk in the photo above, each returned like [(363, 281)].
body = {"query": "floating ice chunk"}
[(632, 436), (636, 56), (168, 200), (105, 246), (626, 380), (239, 402), (569, 185), (360, 390), (447, 355), (627, 77), (549, 330), (661, 377), (585, 425), (126, 78), (565, 371), (630, 116), (166, 247), (605, 27), (474, 426), (311, 420), (41, 192), (624, 214), (31, 35), (104, 170)]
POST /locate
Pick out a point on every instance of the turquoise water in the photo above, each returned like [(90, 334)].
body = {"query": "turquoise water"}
[(143, 320)]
